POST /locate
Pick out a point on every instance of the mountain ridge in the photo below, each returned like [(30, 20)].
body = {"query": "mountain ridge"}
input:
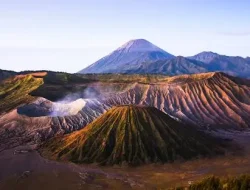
[(141, 56), (175, 66), (205, 56)]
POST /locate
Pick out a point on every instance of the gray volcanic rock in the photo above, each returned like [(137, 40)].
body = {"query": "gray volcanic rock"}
[(130, 56)]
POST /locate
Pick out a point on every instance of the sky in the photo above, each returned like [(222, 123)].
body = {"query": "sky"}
[(68, 35)]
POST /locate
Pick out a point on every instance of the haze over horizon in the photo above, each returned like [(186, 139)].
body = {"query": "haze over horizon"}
[(70, 35)]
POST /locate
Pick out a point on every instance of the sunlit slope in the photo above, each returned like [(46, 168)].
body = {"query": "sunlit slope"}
[(132, 135), (210, 99), (15, 91)]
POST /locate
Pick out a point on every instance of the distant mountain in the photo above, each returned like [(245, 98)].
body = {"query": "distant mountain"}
[(140, 56), (132, 135), (128, 57), (205, 56), (175, 66), (233, 65)]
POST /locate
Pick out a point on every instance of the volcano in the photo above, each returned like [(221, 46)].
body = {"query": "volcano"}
[(128, 58), (131, 135)]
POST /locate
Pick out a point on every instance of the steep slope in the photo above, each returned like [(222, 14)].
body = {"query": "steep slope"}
[(174, 66), (209, 100), (133, 135), (237, 66), (128, 57), (15, 91)]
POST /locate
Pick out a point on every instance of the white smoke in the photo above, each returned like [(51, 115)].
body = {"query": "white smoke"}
[(69, 108), (74, 102), (71, 104)]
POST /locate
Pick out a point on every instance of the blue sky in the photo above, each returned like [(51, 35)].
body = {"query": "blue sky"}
[(69, 35)]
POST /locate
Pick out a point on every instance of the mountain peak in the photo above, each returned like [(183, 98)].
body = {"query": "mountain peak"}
[(128, 57), (205, 56), (179, 57), (207, 53), (139, 45)]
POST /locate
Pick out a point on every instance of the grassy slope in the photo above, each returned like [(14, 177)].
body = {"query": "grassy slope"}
[(145, 78), (22, 88), (126, 78), (15, 91), (132, 135)]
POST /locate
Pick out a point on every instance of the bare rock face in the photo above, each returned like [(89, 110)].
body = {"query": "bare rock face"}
[(212, 100), (16, 129)]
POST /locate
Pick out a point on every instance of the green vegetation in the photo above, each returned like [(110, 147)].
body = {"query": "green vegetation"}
[(126, 78), (215, 183), (131, 135), (15, 91), (57, 85), (61, 78), (147, 78)]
